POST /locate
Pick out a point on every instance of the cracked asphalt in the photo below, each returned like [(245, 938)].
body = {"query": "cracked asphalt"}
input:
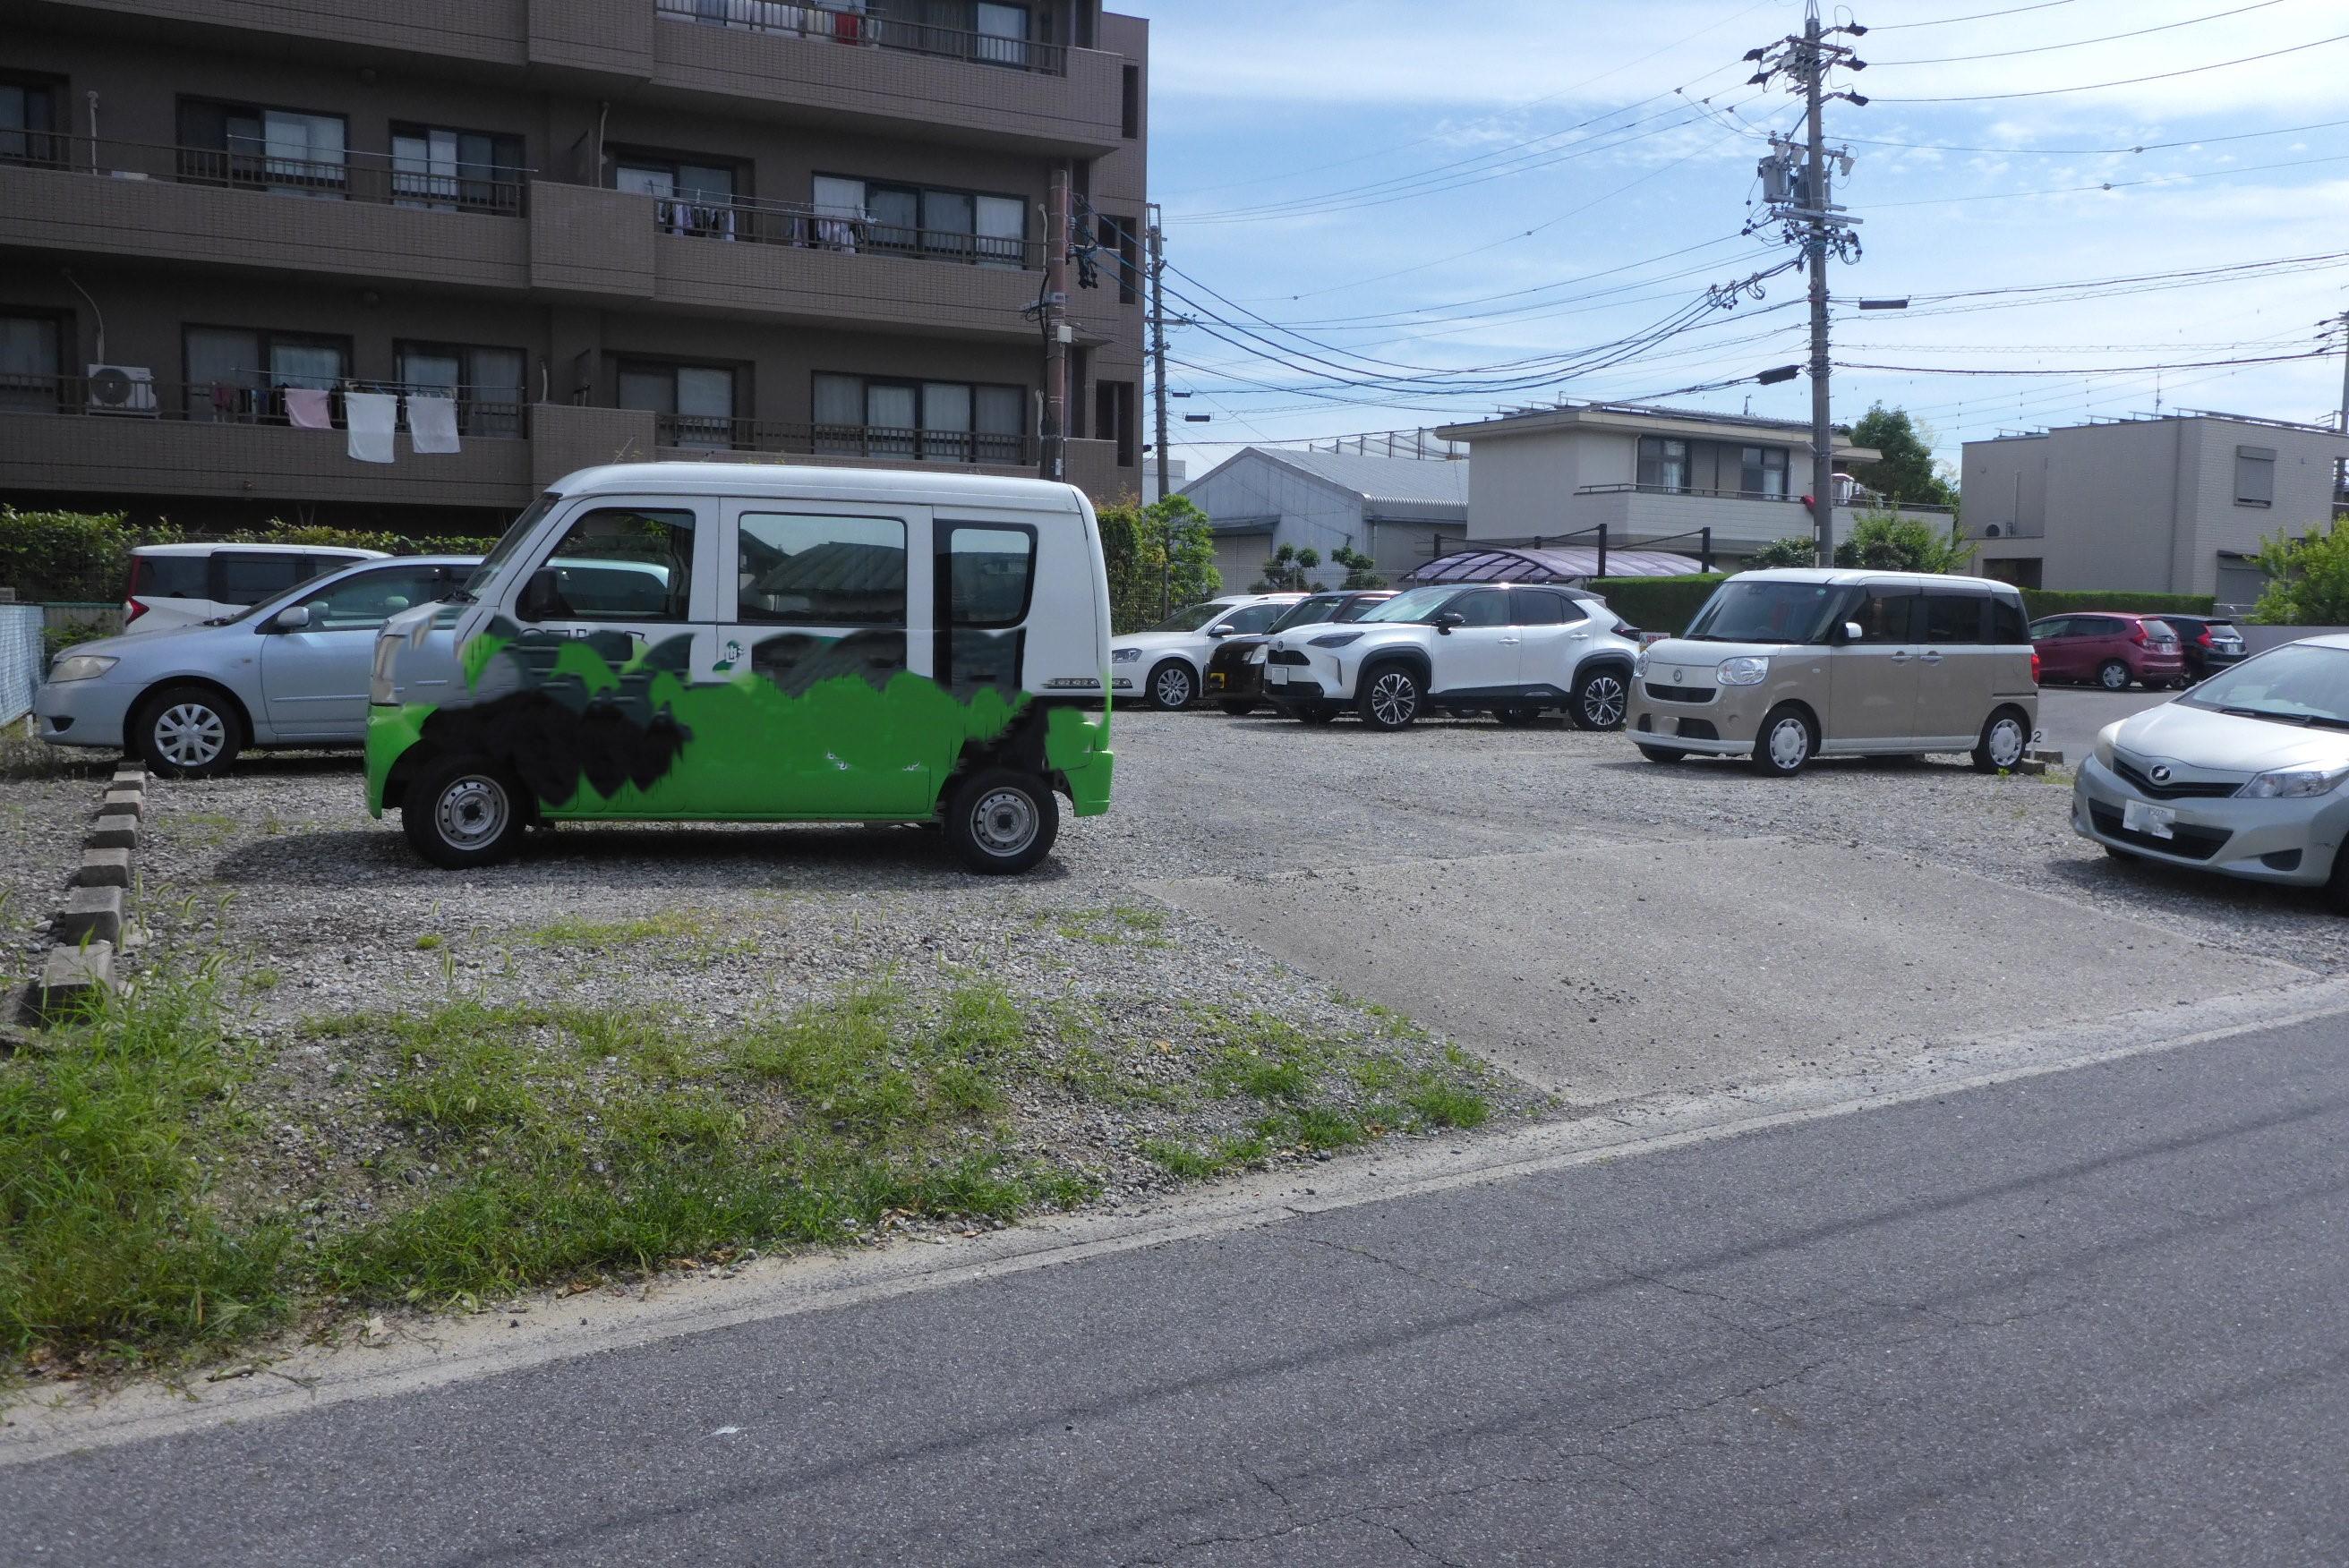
[(2097, 1316)]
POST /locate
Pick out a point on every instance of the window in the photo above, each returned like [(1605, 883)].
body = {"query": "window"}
[(1253, 619), (946, 422), (1132, 118), (287, 151), (1884, 614), (2052, 627), (249, 576), (988, 574), (1113, 418), (1116, 238), (367, 599), (1002, 34), (821, 571), (1952, 617), (487, 383), (616, 563), (1663, 463), (1761, 470), (2255, 476), (2006, 623), (1485, 607), (28, 121), (918, 220), (31, 360), (938, 421), (696, 197), (695, 402), (435, 166), (1541, 607), (240, 374)]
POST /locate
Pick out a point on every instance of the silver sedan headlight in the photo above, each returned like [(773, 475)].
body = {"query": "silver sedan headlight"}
[(1124, 655), (2105, 738), (1746, 669), (81, 666), (2292, 784)]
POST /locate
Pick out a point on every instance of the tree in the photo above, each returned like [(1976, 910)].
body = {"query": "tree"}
[(1361, 571), (1288, 569), (1886, 542), (2308, 579), (1906, 470), (1159, 557), (1794, 552)]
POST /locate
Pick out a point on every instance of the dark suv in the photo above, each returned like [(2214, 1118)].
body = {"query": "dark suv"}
[(1236, 669), (2210, 642)]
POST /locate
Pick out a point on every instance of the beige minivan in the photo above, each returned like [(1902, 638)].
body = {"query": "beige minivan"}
[(1785, 665)]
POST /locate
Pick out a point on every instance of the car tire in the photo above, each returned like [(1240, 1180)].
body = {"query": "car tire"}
[(2113, 676), (1601, 698), (1171, 685), (1786, 742), (1316, 713), (186, 732), (1237, 706), (1663, 754), (1000, 822), (1391, 696), (1517, 715), (461, 812), (2006, 737)]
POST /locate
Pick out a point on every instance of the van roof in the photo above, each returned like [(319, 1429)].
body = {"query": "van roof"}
[(808, 482), (352, 550), (1849, 576)]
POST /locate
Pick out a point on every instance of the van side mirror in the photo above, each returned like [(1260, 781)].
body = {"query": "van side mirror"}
[(292, 618), (1449, 619), (1852, 631), (541, 597)]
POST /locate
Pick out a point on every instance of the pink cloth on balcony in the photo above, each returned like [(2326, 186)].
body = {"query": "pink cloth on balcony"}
[(372, 417), (310, 408)]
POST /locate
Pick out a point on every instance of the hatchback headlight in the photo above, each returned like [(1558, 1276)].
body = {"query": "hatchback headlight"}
[(1640, 664), (2292, 784), (1746, 669), (1336, 639), (81, 667), (1124, 655)]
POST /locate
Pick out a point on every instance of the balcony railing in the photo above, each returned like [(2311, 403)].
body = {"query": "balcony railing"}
[(250, 399), (1853, 502), (717, 433), (374, 178), (809, 227), (853, 25)]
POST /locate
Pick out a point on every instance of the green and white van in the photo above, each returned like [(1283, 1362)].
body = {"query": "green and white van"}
[(734, 642)]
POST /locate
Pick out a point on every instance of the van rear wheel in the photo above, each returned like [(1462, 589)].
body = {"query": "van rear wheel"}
[(1000, 821), (2003, 739), (462, 811)]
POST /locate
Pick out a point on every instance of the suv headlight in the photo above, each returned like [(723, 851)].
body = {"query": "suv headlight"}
[(1124, 655), (2292, 784), (1746, 669), (81, 666), (1336, 639)]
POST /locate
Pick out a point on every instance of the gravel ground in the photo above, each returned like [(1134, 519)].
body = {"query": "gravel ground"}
[(47, 798)]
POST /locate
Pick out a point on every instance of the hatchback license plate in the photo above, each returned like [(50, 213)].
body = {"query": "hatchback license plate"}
[(2138, 816)]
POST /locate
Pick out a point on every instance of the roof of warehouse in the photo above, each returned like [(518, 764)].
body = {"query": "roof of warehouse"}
[(1374, 477)]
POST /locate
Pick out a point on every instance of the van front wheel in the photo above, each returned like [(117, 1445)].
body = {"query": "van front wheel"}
[(1001, 823), (459, 812), (1786, 741)]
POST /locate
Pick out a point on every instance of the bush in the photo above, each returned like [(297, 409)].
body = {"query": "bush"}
[(1657, 604), (71, 557), (2308, 579), (1161, 554), (1887, 541), (2038, 601)]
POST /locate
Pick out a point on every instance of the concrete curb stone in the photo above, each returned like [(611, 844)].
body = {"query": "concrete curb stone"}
[(113, 831), (90, 913), (104, 868), (69, 977)]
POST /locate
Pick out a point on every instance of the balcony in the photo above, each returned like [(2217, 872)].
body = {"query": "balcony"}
[(859, 446), (364, 215), (851, 24)]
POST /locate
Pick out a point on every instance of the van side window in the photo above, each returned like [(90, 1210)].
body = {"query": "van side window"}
[(1954, 618), (247, 577), (989, 572), (799, 570), (2006, 621), (621, 563), (1886, 614)]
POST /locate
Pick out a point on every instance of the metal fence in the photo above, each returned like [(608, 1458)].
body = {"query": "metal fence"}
[(20, 659), (853, 24), (383, 179), (715, 433), (249, 397), (810, 227)]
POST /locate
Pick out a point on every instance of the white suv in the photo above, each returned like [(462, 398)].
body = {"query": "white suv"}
[(1461, 647), (1165, 663)]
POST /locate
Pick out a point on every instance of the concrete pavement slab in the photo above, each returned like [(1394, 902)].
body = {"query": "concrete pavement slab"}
[(1604, 970)]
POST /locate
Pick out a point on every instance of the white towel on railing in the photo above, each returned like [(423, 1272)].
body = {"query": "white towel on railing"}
[(372, 417), (432, 423), (309, 408)]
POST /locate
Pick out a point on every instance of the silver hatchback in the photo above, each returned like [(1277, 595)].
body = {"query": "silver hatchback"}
[(2242, 775)]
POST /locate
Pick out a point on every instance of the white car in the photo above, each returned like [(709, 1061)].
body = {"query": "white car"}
[(175, 585), (1514, 649), (1166, 664)]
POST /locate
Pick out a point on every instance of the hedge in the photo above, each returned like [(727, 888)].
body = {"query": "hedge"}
[(2038, 601), (50, 557), (1657, 604)]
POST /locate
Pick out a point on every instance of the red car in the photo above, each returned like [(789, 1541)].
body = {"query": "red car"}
[(2109, 649)]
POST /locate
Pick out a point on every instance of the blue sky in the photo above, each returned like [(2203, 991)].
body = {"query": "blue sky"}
[(1358, 170)]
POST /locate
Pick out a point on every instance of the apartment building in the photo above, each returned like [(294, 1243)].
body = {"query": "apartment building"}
[(2173, 503), (1679, 478), (578, 230)]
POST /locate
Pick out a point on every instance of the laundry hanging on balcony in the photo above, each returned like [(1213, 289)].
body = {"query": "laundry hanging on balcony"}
[(432, 423), (309, 407), (371, 417)]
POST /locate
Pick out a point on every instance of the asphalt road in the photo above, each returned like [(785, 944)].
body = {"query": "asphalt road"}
[(2069, 716), (2097, 1317)]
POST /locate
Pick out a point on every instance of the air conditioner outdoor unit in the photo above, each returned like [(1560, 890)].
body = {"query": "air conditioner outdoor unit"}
[(1990, 532), (121, 389)]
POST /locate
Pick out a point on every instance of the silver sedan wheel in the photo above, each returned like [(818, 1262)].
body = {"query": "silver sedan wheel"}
[(190, 735), (1602, 702), (1394, 698), (2006, 743), (1790, 743), (1004, 822), (471, 812)]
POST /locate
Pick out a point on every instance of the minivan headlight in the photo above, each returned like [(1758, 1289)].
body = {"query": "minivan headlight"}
[(2292, 784), (1336, 639), (81, 666), (1746, 669), (1124, 655)]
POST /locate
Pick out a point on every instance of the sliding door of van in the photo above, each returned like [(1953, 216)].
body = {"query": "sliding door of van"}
[(1872, 682), (1957, 669), (825, 634)]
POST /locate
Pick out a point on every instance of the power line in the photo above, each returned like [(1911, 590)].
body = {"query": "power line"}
[(2119, 184), (2097, 151), (1976, 16), (2125, 81), (2078, 43), (2081, 370)]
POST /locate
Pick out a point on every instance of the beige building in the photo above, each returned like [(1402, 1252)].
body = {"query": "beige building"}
[(1648, 476), (722, 229), (2174, 504)]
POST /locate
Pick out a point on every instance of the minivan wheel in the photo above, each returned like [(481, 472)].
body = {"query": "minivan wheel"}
[(2113, 676), (463, 811), (2002, 741), (1171, 686), (1390, 697), (1786, 740), (186, 732), (1000, 821), (1599, 700)]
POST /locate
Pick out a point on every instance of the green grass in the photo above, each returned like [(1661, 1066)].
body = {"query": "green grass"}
[(427, 942)]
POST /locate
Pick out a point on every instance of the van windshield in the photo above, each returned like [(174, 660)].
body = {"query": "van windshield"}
[(1766, 612), (508, 542)]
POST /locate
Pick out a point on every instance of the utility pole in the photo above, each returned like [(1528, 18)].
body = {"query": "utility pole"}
[(1056, 331), (1158, 348), (2343, 319), (1815, 191)]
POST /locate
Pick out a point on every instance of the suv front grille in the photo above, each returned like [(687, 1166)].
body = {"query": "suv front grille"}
[(2176, 790), (1682, 693), (1285, 656)]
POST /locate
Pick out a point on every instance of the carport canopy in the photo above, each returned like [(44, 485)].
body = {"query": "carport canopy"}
[(1526, 563)]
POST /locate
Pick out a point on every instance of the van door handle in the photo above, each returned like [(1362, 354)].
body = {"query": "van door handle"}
[(1931, 656), (1507, 641), (1900, 657)]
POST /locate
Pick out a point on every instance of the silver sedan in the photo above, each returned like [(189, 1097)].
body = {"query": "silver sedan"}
[(2241, 775), (290, 671)]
